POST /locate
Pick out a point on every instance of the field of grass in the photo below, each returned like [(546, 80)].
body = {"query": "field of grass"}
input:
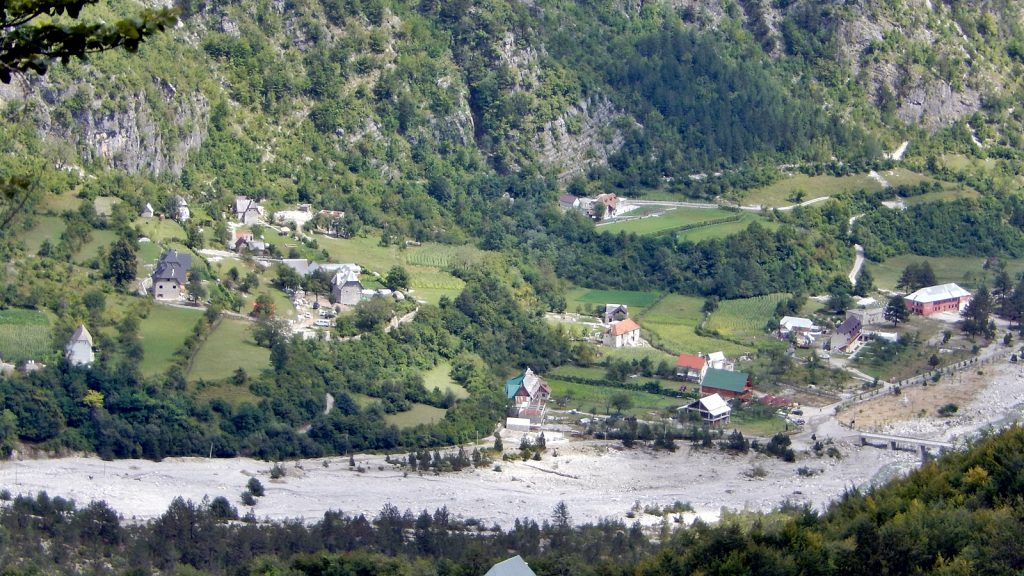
[(24, 335), (966, 271), (419, 414), (100, 239), (104, 205), (670, 324), (762, 427), (725, 229), (744, 319), (943, 196), (163, 331), (586, 398), (779, 193), (588, 299), (147, 257), (46, 228), (655, 355), (438, 377), (670, 220), (230, 393), (229, 347), (159, 230), (58, 203)]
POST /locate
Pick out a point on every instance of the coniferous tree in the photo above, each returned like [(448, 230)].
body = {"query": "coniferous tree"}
[(976, 314), (896, 310)]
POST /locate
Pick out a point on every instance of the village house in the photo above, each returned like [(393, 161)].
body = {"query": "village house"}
[(714, 410), (245, 240), (846, 334), (868, 316), (529, 395), (615, 312), (346, 288), (794, 324), (568, 202), (514, 566), (147, 211), (727, 384), (171, 275), (941, 298), (181, 211), (79, 349), (611, 203), (691, 368), (718, 361), (622, 334), (247, 210)]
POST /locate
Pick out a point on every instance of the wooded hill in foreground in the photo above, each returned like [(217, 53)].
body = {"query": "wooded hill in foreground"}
[(960, 515)]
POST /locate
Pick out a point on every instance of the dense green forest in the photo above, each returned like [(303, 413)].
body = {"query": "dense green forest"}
[(958, 515)]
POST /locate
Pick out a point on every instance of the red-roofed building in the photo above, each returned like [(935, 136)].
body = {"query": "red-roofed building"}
[(622, 334), (690, 367)]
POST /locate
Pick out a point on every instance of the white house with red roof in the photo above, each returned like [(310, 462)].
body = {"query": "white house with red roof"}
[(690, 367), (622, 334)]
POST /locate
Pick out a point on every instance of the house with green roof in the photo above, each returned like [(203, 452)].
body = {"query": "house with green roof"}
[(727, 384), (528, 394)]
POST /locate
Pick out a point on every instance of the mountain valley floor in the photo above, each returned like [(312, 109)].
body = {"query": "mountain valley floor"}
[(595, 479)]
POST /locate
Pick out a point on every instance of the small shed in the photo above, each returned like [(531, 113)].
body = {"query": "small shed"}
[(713, 410)]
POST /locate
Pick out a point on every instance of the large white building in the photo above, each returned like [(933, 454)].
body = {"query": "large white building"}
[(79, 349)]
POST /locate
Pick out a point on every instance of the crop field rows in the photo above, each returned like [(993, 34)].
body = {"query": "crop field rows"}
[(744, 319), (24, 335)]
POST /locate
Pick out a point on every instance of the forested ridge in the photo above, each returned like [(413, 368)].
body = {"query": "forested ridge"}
[(958, 515)]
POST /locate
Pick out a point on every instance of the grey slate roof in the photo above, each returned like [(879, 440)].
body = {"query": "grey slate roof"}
[(173, 265), (514, 566)]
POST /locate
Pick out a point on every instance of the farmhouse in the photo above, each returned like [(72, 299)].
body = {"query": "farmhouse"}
[(713, 410), (79, 349), (727, 383), (247, 210), (514, 566), (613, 312), (147, 211), (529, 395), (622, 334), (942, 298), (691, 368), (170, 275), (346, 287), (846, 334)]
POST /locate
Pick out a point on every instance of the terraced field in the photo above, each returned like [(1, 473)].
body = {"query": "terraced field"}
[(24, 335), (744, 319), (597, 399)]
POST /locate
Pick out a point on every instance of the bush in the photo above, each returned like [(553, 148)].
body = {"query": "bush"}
[(255, 487), (277, 472), (948, 409), (757, 471), (248, 499), (221, 509)]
